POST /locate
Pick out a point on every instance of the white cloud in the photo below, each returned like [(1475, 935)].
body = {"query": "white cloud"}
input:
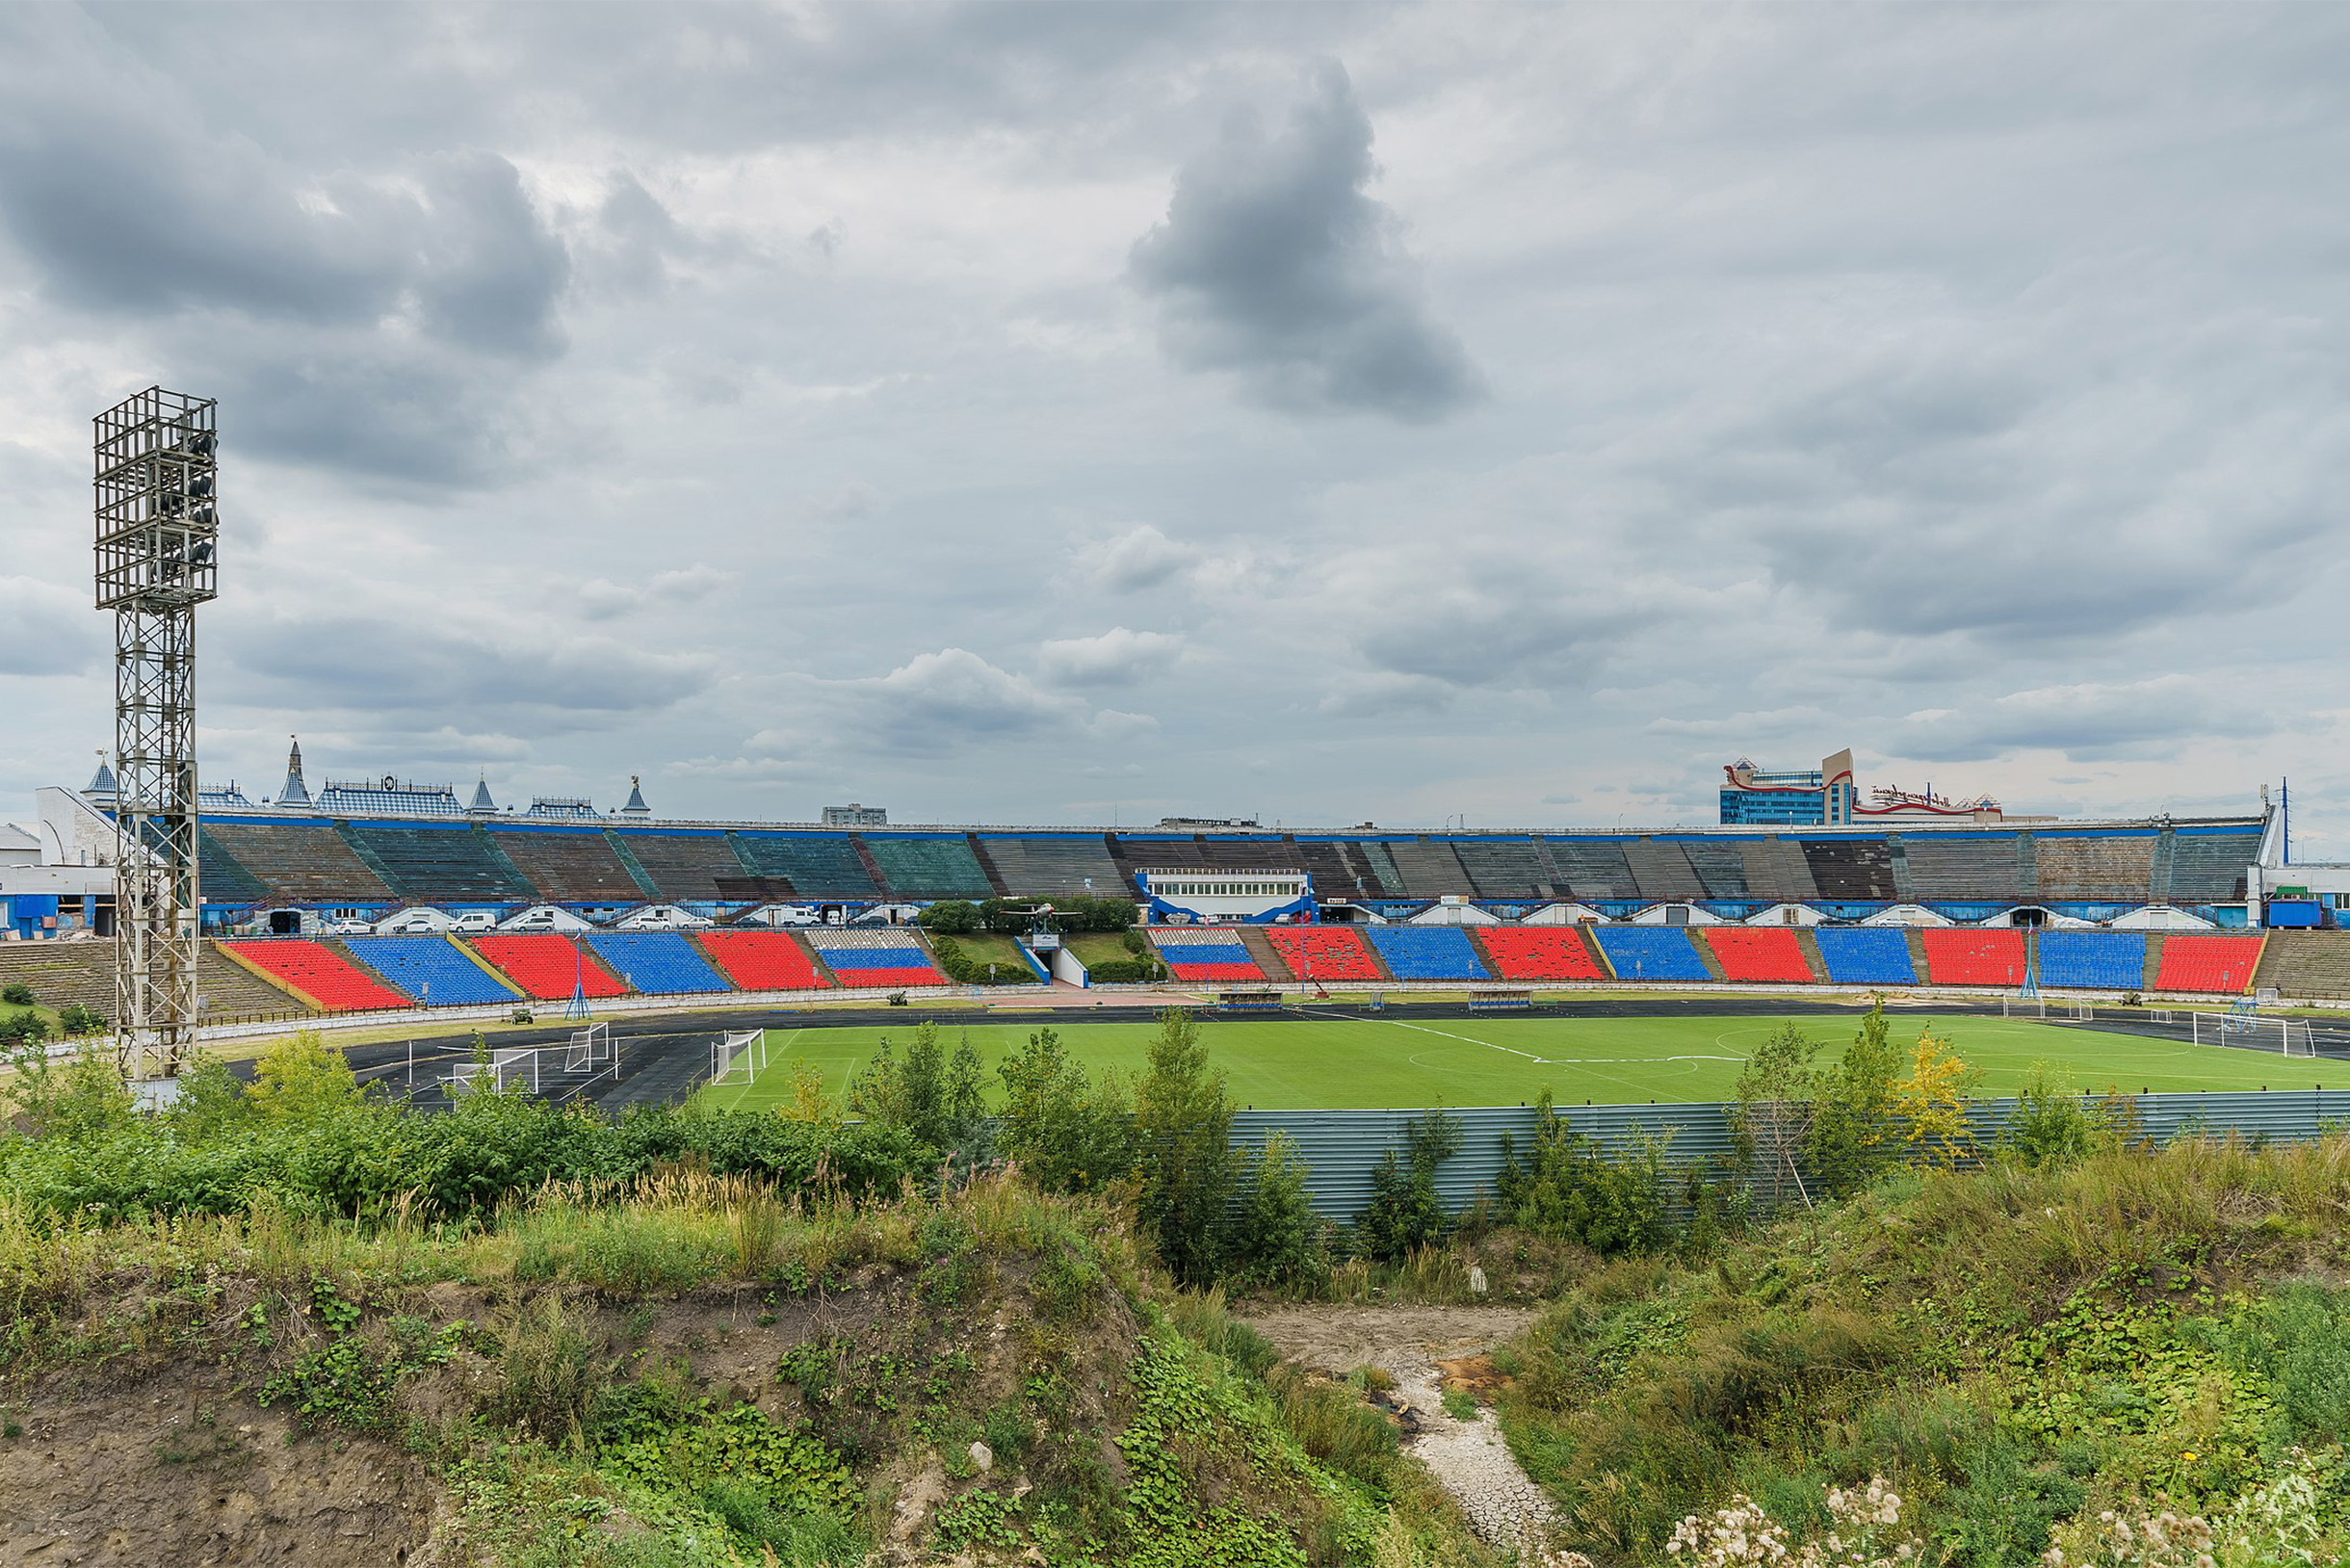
[(1117, 657)]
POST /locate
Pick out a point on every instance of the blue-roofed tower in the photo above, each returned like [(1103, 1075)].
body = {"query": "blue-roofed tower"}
[(483, 805), (636, 807), (103, 782)]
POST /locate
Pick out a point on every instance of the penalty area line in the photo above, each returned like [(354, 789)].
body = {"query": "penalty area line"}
[(1539, 1061)]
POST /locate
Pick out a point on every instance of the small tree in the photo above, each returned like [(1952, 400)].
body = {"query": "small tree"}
[(1069, 1133), (1776, 1091), (302, 1078), (1183, 1123), (2051, 1126), (951, 917), (1933, 1100), (1276, 1238), (16, 994), (1854, 1133)]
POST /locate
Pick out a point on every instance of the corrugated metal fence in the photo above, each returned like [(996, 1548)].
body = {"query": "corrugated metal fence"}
[(1340, 1147)]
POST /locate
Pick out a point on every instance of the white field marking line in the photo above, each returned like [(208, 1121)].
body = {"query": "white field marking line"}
[(1540, 1062)]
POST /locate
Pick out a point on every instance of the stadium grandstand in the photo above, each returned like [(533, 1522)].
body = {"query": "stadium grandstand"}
[(306, 893)]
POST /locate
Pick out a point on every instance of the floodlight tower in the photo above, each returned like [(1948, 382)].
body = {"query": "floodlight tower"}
[(156, 540)]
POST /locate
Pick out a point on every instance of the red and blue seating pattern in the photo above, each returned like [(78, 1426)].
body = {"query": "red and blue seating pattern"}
[(1758, 954), (2223, 964), (763, 960), (1974, 955), (313, 970), (1324, 953), (1204, 955), (2093, 960), (1865, 955), (431, 969), (656, 963), (1539, 952), (1651, 952), (871, 960), (548, 967)]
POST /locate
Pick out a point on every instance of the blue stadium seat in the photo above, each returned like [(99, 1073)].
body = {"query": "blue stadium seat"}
[(1651, 952), (658, 963), (1427, 951), (416, 963), (2093, 960), (1865, 955)]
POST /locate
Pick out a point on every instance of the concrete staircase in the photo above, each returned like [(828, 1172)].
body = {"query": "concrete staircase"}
[(2300, 964), (1261, 948), (1813, 958), (1704, 954)]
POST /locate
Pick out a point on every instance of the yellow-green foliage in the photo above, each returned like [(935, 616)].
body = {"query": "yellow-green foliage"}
[(301, 1078), (2012, 1348)]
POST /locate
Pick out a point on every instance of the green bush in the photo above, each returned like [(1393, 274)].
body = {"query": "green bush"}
[(951, 917), (1572, 1188), (1067, 1131), (16, 994), (1404, 1213), (1276, 1238), (2051, 1126), (23, 1028), (1182, 1127), (76, 1020)]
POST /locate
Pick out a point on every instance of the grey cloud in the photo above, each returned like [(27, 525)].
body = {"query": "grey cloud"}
[(1274, 262), (1128, 563), (2085, 721), (1116, 657), (48, 629)]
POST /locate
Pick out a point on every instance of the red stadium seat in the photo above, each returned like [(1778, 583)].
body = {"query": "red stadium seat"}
[(2208, 963), (762, 960), (317, 971), (548, 966), (1538, 952), (1971, 956), (1758, 954), (1325, 953)]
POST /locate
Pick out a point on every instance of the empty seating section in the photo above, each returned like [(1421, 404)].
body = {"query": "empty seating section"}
[(1758, 954), (1651, 952), (1720, 866), (875, 958), (1974, 867), (2208, 963), (1200, 956), (1324, 953), (568, 865), (1857, 868), (1776, 870), (658, 963), (431, 969), (817, 865), (1538, 952), (2209, 867), (1865, 955), (1592, 868), (2097, 866), (439, 865), (1336, 873), (685, 864), (763, 960), (1427, 953), (2093, 960), (1050, 863), (1379, 866), (1662, 869), (1504, 868), (1971, 957), (316, 971), (225, 881), (929, 866), (1428, 867), (546, 966), (299, 862)]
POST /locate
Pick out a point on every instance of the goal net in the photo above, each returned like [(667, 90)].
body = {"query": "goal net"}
[(2022, 1006), (590, 1049), (517, 1065), (2248, 1031), (737, 1056)]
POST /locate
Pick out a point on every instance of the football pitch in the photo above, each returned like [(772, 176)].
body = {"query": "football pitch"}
[(1357, 1062)]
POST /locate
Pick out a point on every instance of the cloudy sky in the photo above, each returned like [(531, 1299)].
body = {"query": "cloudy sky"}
[(1067, 415)]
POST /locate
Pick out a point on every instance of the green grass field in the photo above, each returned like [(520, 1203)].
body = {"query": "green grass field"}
[(1373, 1062)]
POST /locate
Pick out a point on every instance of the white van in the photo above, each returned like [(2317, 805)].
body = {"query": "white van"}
[(477, 920)]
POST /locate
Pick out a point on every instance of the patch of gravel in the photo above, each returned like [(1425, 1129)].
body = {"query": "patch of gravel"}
[(1468, 1458)]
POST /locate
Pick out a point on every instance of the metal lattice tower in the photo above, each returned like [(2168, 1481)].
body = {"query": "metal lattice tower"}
[(156, 547)]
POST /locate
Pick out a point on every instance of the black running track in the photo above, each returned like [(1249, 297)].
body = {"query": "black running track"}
[(664, 1057)]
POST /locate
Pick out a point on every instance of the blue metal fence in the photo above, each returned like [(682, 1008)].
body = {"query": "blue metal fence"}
[(1341, 1148)]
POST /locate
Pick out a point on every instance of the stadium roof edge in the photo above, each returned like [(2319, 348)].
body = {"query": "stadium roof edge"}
[(1736, 831)]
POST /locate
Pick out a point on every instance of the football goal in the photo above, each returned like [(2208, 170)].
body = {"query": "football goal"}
[(590, 1049), (2248, 1031), (737, 1056)]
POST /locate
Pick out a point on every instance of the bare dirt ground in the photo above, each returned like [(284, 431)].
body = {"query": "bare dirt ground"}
[(1424, 1350)]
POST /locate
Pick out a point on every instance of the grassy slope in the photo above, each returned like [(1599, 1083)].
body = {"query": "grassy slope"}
[(1097, 947), (691, 1373), (1373, 1062), (2012, 1349), (983, 948)]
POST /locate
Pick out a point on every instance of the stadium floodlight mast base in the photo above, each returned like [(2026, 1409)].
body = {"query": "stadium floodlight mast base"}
[(155, 467)]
